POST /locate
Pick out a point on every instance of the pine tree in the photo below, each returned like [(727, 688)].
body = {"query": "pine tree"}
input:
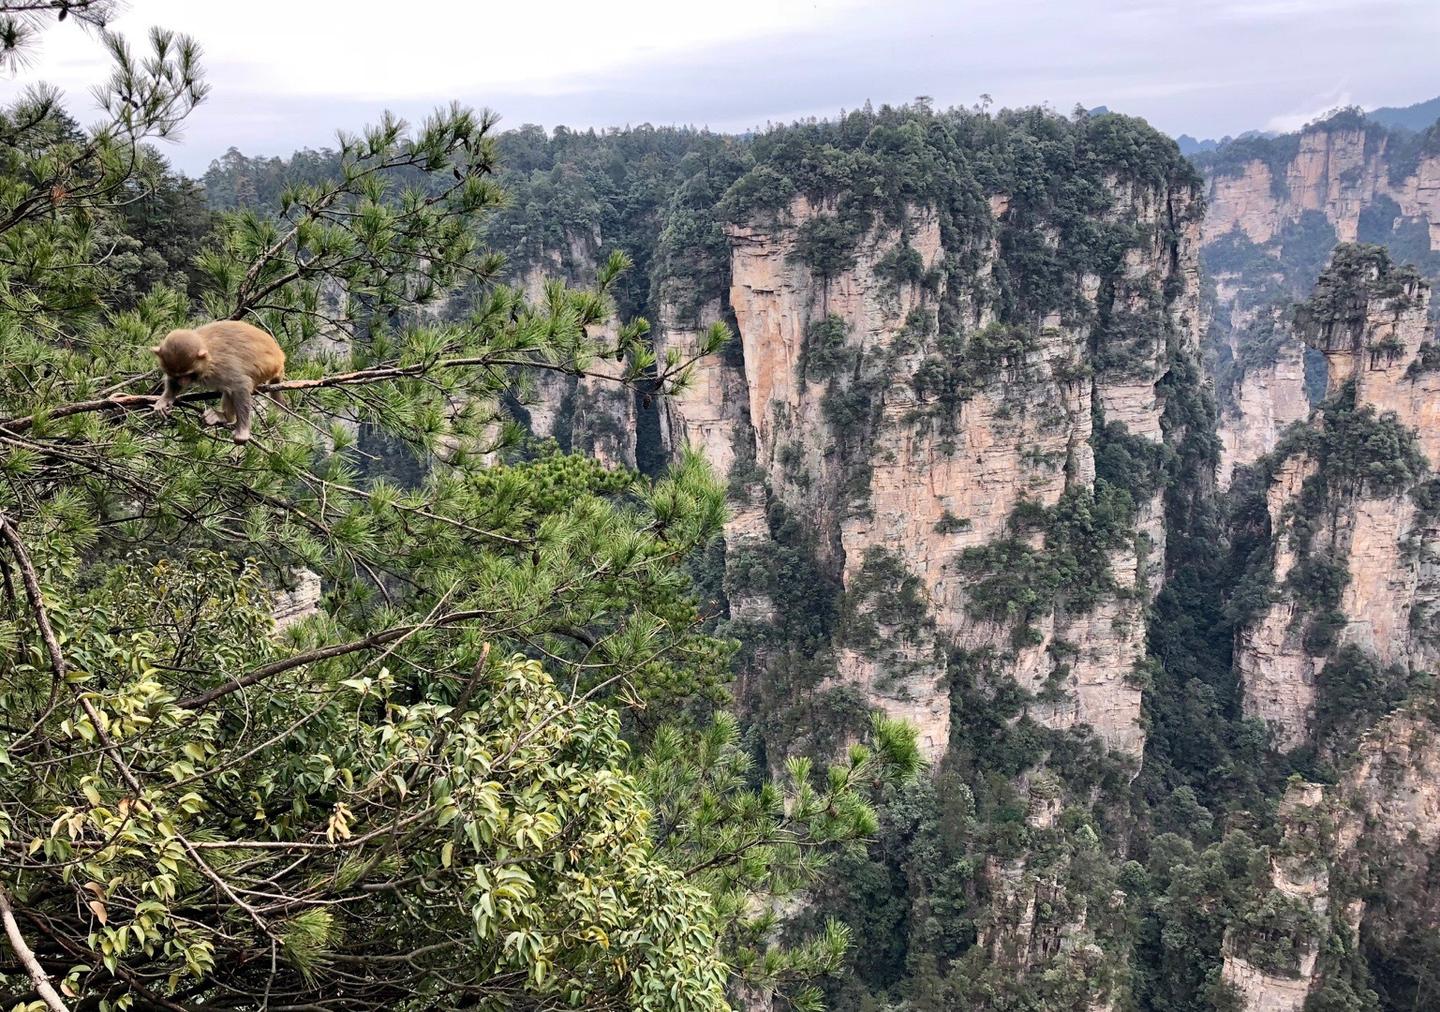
[(425, 795)]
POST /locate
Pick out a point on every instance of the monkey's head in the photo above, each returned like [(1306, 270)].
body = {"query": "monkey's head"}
[(183, 356)]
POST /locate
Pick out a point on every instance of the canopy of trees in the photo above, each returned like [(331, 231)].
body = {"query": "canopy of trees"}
[(489, 771)]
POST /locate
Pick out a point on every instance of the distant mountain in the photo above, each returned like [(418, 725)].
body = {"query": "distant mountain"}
[(1190, 146), (1417, 117)]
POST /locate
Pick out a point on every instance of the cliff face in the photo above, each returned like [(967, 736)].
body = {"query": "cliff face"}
[(936, 469), (1353, 867), (1265, 400), (1299, 877), (1348, 502), (1274, 209), (592, 413), (901, 479), (777, 305), (1338, 169)]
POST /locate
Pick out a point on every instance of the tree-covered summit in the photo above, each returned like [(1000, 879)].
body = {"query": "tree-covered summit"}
[(664, 195)]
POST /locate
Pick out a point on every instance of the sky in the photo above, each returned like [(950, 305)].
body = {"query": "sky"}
[(287, 74)]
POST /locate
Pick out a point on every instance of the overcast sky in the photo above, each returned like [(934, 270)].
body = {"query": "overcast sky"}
[(288, 73)]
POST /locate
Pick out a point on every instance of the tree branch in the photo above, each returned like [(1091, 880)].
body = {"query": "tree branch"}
[(360, 377), (299, 660), (38, 976), (11, 537)]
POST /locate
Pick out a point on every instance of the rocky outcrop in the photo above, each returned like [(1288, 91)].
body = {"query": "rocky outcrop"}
[(1265, 401), (1338, 169), (846, 429), (1260, 991), (943, 423), (1346, 500), (296, 603), (592, 413), (1371, 835), (1390, 795), (777, 301), (711, 414), (1270, 219), (1275, 672), (1299, 873)]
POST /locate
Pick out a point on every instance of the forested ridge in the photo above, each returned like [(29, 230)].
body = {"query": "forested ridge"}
[(581, 719)]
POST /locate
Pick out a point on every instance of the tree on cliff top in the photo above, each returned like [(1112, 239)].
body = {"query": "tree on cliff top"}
[(421, 797)]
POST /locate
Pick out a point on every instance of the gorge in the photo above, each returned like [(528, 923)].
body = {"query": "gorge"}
[(1112, 473)]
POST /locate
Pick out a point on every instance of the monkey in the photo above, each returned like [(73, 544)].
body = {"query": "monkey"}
[(230, 356)]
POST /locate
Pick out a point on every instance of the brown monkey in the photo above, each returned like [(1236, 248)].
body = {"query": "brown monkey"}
[(230, 356)]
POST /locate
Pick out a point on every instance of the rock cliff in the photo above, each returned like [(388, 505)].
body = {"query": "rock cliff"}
[(1338, 167), (1275, 207), (1355, 856), (903, 469), (592, 413), (1349, 503), (1264, 400), (947, 493)]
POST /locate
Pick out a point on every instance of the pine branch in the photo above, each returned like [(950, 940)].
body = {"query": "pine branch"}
[(325, 653), (360, 377)]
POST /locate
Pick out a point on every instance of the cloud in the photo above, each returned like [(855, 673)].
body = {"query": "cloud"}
[(1282, 10), (1186, 65), (1322, 107)]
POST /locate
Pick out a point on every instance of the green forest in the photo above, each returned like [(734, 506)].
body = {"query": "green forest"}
[(563, 722)]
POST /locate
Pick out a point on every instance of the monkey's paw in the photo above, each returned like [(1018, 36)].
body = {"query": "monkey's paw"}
[(213, 417), (162, 409)]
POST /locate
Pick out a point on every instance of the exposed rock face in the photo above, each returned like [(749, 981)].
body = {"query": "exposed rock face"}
[(1267, 992), (1021, 935), (775, 302), (1277, 675), (712, 413), (298, 602), (1334, 182), (1267, 400), (1301, 875), (922, 480), (1391, 794), (1378, 535), (1337, 170), (592, 413), (1374, 833)]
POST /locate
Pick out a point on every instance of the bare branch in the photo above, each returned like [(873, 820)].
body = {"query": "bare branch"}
[(38, 976)]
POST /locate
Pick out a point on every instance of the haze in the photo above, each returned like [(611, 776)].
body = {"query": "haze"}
[(287, 74)]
